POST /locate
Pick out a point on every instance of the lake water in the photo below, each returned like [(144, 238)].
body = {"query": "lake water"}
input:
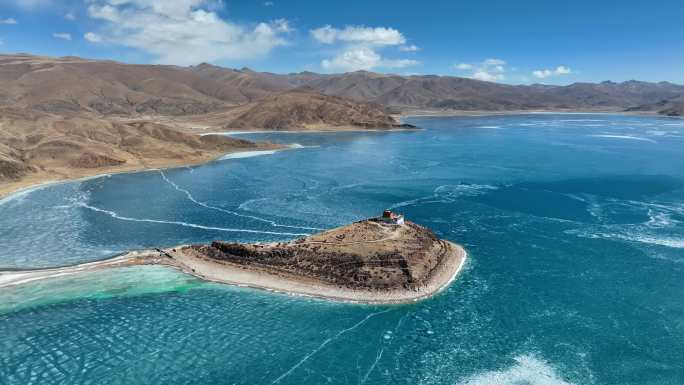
[(574, 226)]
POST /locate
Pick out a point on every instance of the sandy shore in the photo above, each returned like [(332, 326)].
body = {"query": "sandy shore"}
[(232, 274), (18, 277), (44, 179)]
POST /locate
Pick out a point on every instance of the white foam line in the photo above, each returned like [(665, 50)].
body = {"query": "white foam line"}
[(628, 137), (675, 243), (184, 224), (411, 202), (327, 341), (372, 367), (191, 198)]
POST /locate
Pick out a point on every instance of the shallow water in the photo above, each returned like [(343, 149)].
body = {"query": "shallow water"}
[(573, 223)]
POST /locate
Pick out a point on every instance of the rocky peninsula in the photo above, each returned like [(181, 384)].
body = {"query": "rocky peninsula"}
[(378, 260)]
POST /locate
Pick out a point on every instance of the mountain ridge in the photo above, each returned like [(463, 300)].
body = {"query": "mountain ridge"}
[(70, 85)]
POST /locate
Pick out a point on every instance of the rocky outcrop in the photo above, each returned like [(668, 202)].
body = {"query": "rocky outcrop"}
[(12, 169), (368, 255)]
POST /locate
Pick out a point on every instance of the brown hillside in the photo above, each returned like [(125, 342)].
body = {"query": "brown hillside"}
[(73, 86), (34, 142), (305, 109)]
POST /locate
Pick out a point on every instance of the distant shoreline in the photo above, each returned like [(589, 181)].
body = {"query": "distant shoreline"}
[(474, 113), (306, 131), (42, 180)]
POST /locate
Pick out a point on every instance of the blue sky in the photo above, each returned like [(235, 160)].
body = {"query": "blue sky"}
[(509, 41)]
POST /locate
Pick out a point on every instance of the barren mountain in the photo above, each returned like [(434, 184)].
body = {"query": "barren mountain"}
[(36, 146), (307, 109), (453, 93), (669, 107), (71, 85), (676, 109), (64, 117)]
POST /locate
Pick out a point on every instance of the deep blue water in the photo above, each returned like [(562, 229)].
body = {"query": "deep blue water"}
[(574, 226)]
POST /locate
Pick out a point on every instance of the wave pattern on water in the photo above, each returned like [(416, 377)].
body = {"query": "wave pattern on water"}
[(542, 301)]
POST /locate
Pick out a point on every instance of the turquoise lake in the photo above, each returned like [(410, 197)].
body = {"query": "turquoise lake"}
[(574, 225)]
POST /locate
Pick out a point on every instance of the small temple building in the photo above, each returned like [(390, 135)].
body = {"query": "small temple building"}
[(390, 217)]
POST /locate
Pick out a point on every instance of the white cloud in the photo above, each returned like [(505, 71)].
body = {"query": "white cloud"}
[(70, 16), (547, 73), (562, 70), (487, 76), (358, 47), (541, 74), (352, 60), (326, 34), (268, 4), (62, 35), (409, 48), (8, 21), (489, 70), (363, 58), (358, 34), (92, 37), (183, 31)]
